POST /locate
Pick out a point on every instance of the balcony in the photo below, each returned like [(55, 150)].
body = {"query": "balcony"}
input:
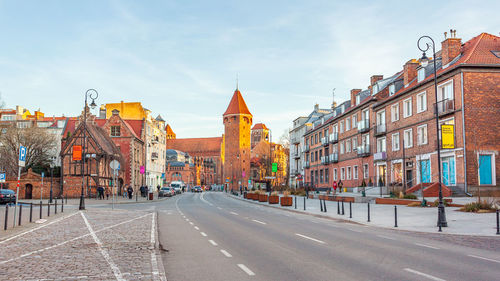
[(380, 156), (325, 159), (445, 107), (380, 129), (306, 148), (154, 156), (364, 126), (296, 154), (363, 151), (334, 158), (295, 140), (334, 137), (307, 164), (324, 141)]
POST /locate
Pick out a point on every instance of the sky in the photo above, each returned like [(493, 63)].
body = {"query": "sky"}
[(180, 59)]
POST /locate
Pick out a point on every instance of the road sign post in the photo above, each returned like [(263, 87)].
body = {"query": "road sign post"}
[(22, 163), (115, 166), (41, 188)]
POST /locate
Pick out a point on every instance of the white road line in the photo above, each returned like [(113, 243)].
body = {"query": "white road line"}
[(246, 269), (191, 223), (197, 228), (355, 230), (226, 253), (219, 208), (424, 274), (187, 219), (259, 222), (483, 258), (114, 267), (427, 246), (386, 237), (212, 242), (203, 234), (234, 213), (154, 262), (310, 238), (314, 221), (37, 228)]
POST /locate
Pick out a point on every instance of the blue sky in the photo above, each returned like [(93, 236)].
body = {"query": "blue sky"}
[(181, 58)]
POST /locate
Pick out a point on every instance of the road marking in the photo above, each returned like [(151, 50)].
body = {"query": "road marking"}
[(487, 259), (197, 228), (234, 213), (427, 246), (191, 223), (310, 238), (114, 267), (154, 262), (212, 242), (246, 269), (259, 222), (355, 230), (226, 253), (386, 237), (314, 221), (203, 234), (424, 274)]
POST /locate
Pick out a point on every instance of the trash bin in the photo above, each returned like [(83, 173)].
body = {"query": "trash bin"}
[(151, 196)]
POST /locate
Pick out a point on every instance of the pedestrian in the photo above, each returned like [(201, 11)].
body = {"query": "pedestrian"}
[(334, 187), (124, 192), (130, 190), (340, 184), (107, 193), (142, 190), (158, 188), (100, 193)]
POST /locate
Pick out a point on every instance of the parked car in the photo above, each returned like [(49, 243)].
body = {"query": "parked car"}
[(177, 190), (197, 189), (7, 196), (166, 192)]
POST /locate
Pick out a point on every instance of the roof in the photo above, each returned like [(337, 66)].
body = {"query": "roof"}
[(196, 145), (237, 105), (260, 126), (169, 130), (158, 118)]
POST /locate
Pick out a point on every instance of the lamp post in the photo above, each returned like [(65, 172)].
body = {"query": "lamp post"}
[(93, 95), (51, 177), (425, 61)]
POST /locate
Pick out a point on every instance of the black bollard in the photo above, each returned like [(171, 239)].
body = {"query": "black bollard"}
[(66, 198), (20, 213), (343, 206), (304, 203), (41, 209), (55, 207), (324, 203), (350, 209), (6, 216), (295, 202), (31, 212), (48, 209), (395, 216), (321, 205), (62, 206), (498, 225), (338, 207), (368, 211)]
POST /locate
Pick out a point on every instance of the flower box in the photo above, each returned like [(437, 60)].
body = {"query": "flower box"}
[(274, 199), (286, 201), (262, 197)]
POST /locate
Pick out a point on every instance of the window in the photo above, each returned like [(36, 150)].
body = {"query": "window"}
[(375, 89), (115, 131), (445, 91), (354, 120), (315, 138), (355, 173), (341, 126), (327, 176), (381, 118), (421, 75), (422, 135), (365, 171), (349, 173), (320, 176), (347, 146), (421, 102), (335, 174), (334, 129), (407, 108), (358, 99), (320, 135), (381, 145), (395, 142), (392, 89), (408, 138), (395, 112), (347, 124), (342, 147), (354, 143), (342, 173)]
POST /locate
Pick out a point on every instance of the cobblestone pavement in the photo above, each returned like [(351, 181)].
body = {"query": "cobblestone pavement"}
[(95, 244)]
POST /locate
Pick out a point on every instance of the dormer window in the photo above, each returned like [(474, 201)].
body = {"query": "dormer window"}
[(375, 89), (358, 99), (392, 89), (421, 74)]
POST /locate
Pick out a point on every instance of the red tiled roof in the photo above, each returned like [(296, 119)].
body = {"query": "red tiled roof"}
[(196, 145), (169, 130), (237, 105), (260, 126)]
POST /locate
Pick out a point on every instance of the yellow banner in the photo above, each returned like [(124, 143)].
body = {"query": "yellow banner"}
[(447, 136)]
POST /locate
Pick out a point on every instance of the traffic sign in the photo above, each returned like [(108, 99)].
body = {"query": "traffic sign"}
[(275, 167), (22, 156), (43, 174), (115, 165), (2, 177), (143, 170)]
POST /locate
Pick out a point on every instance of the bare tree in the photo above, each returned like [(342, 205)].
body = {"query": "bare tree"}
[(38, 142), (285, 139)]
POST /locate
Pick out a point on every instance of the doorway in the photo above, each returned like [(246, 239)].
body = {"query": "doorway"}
[(28, 191)]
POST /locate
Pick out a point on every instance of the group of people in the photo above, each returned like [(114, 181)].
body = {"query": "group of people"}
[(101, 191)]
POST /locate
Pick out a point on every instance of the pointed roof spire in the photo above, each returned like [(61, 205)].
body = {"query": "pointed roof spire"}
[(237, 105), (236, 81)]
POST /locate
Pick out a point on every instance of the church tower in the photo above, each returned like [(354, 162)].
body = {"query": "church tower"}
[(237, 125)]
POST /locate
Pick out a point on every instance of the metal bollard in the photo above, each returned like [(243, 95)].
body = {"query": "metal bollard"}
[(41, 206), (343, 206), (350, 209), (368, 211), (55, 207), (324, 203), (62, 206), (395, 216), (295, 202), (304, 203), (6, 216), (498, 224), (31, 212), (48, 209), (20, 213), (338, 207), (66, 198), (321, 205)]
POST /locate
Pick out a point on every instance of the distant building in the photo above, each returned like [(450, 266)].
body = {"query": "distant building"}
[(259, 132)]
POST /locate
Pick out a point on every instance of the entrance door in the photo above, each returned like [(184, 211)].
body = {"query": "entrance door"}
[(409, 178), (448, 167), (425, 171), (28, 192), (485, 172), (382, 169)]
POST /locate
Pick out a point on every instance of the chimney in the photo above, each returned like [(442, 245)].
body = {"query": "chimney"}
[(354, 92), (410, 71), (375, 78), (316, 107), (450, 48)]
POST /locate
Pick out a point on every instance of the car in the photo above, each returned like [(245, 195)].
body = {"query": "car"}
[(197, 189), (177, 190), (166, 192), (7, 196)]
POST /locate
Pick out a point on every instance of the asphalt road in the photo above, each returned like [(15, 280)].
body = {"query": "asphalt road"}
[(212, 236)]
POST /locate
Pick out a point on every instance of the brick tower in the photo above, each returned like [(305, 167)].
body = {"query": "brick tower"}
[(237, 124)]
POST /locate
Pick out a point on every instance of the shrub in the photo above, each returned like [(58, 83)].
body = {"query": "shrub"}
[(286, 193), (410, 196), (477, 206), (274, 193), (436, 203), (253, 188)]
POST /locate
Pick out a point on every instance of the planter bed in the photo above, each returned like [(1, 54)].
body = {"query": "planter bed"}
[(274, 199), (262, 197), (286, 201)]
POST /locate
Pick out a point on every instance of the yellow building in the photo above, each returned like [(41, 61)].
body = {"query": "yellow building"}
[(128, 110)]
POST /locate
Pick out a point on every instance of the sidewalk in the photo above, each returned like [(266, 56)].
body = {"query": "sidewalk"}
[(94, 201), (409, 218)]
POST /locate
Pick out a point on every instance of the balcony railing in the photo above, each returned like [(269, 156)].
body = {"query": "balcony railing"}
[(364, 126), (363, 150), (334, 158), (154, 156), (334, 137), (380, 129), (445, 106), (380, 156), (325, 159), (324, 141), (306, 148), (296, 154)]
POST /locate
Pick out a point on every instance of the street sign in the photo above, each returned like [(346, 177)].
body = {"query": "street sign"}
[(142, 170), (447, 136), (43, 174), (77, 153), (22, 156), (115, 165), (243, 174), (2, 177), (275, 167), (227, 180)]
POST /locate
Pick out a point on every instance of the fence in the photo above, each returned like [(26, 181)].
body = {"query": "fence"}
[(29, 212)]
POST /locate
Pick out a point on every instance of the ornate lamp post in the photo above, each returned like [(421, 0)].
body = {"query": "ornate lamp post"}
[(93, 95), (425, 61)]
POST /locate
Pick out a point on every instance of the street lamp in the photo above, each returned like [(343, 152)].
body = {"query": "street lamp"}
[(425, 61), (52, 159), (93, 95)]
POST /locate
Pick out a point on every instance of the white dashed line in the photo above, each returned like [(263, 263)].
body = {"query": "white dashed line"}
[(386, 237), (226, 253), (197, 228), (310, 238), (203, 234), (427, 246), (259, 222), (246, 269), (487, 259), (234, 213), (219, 208), (212, 242), (355, 230), (191, 223), (424, 274)]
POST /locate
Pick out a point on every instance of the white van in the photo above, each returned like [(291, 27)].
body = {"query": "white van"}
[(177, 186)]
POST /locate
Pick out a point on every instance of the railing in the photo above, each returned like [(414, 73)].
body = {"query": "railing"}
[(363, 150), (325, 159), (364, 126), (379, 156), (306, 148), (324, 141), (154, 155), (445, 106), (334, 158), (334, 137), (296, 154), (380, 129), (295, 140)]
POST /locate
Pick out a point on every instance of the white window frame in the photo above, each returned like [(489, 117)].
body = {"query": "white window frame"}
[(381, 144), (395, 136), (421, 141), (347, 124), (354, 143), (342, 147), (421, 75), (349, 172), (392, 89), (422, 105), (347, 146), (409, 142), (341, 126), (366, 171), (443, 85), (354, 120), (355, 172), (395, 112), (407, 111), (335, 174), (342, 173)]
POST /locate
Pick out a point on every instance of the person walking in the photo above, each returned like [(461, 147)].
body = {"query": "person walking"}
[(130, 190), (107, 193), (340, 184), (334, 187)]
